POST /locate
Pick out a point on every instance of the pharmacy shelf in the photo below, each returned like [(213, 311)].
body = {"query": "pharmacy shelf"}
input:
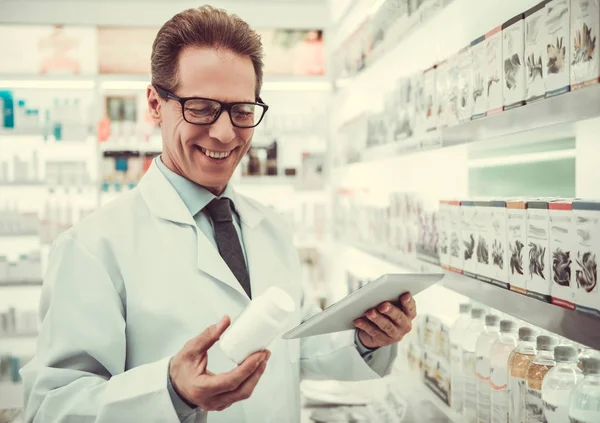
[(573, 325), (111, 147), (19, 283), (551, 118)]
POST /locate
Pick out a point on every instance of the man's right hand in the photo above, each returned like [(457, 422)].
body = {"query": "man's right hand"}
[(195, 384)]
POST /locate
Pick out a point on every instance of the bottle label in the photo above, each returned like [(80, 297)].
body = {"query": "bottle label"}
[(556, 413), (470, 386), (516, 404), (534, 406), (483, 389), (499, 395)]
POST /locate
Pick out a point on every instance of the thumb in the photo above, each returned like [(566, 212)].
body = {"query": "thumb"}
[(211, 335)]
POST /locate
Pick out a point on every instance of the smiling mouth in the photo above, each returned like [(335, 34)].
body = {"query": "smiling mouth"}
[(217, 155)]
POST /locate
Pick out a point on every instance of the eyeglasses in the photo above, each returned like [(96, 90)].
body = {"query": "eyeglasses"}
[(206, 111)]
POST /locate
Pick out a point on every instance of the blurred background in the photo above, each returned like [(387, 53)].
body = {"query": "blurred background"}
[(384, 114)]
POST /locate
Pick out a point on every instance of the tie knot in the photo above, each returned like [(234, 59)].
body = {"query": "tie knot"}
[(220, 210)]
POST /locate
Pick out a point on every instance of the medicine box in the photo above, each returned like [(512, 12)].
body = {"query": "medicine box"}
[(587, 253), (469, 238), (455, 230), (499, 256), (484, 240), (478, 75), (557, 52), (562, 237), (494, 70), (429, 91), (465, 87), (441, 83), (516, 222), (585, 61), (535, 45), (538, 250), (513, 49), (444, 228), (452, 80)]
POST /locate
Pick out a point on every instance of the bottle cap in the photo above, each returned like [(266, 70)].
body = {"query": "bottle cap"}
[(477, 313), (527, 334), (492, 320), (565, 354), (465, 308), (591, 365), (546, 343), (507, 326)]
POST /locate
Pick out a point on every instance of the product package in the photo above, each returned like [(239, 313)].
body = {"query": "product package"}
[(417, 82), (404, 125), (465, 87), (7, 112), (455, 234), (444, 228), (429, 91), (557, 65), (499, 260), (494, 72), (535, 45), (586, 253), (469, 238), (452, 81), (585, 23), (513, 49), (538, 250), (441, 83), (562, 235), (484, 240), (516, 221), (436, 343), (479, 72)]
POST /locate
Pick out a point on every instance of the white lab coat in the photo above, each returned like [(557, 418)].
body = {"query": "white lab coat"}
[(130, 284)]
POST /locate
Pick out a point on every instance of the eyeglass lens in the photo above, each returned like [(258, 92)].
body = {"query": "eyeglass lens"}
[(206, 111)]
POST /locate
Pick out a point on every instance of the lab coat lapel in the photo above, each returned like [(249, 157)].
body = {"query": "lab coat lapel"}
[(164, 202)]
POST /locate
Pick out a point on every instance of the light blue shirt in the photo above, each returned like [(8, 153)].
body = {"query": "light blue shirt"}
[(196, 198)]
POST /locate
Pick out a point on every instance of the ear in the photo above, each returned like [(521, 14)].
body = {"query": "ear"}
[(154, 104)]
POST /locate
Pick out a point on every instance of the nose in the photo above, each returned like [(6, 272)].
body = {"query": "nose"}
[(222, 129)]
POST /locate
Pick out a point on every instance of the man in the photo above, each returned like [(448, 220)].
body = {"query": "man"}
[(132, 293)]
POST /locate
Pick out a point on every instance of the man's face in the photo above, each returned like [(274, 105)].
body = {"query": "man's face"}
[(216, 74)]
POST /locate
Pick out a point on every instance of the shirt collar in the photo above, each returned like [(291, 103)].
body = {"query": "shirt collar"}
[(194, 196)]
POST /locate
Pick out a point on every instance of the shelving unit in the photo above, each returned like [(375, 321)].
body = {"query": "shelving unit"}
[(21, 283)]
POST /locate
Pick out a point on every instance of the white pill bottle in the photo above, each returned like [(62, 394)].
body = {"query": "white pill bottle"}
[(258, 325)]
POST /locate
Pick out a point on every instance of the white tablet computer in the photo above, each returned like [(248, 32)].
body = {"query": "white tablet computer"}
[(341, 315)]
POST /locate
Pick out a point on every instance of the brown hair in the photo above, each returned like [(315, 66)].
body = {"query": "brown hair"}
[(205, 26)]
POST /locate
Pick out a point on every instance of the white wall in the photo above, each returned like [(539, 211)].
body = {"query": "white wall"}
[(258, 13)]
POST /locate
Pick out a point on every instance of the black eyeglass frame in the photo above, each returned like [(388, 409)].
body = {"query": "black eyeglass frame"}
[(165, 94)]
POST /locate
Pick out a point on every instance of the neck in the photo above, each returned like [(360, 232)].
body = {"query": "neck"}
[(166, 160)]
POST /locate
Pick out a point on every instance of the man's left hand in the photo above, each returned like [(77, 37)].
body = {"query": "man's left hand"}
[(387, 323)]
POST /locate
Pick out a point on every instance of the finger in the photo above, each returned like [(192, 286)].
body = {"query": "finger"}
[(409, 306), (243, 392), (399, 318), (383, 323), (203, 342), (372, 330), (232, 380)]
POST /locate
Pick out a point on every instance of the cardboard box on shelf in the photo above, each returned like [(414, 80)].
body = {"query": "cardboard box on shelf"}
[(494, 70), (499, 261), (562, 243), (444, 226), (465, 87), (429, 96), (442, 93), (535, 45), (513, 50), (516, 228), (558, 48), (585, 26), (586, 255), (469, 238), (538, 250), (478, 81), (455, 236), (484, 240)]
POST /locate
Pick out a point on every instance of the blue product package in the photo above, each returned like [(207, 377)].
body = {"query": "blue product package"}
[(121, 164), (8, 112)]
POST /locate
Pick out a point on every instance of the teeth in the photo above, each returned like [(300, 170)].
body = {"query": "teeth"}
[(215, 154)]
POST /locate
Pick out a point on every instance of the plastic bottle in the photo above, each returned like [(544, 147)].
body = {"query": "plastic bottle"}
[(456, 333), (499, 354), (259, 323), (469, 343), (517, 366), (482, 366), (558, 383), (536, 371), (584, 400)]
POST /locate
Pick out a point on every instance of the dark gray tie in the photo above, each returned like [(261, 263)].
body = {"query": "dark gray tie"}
[(228, 241)]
